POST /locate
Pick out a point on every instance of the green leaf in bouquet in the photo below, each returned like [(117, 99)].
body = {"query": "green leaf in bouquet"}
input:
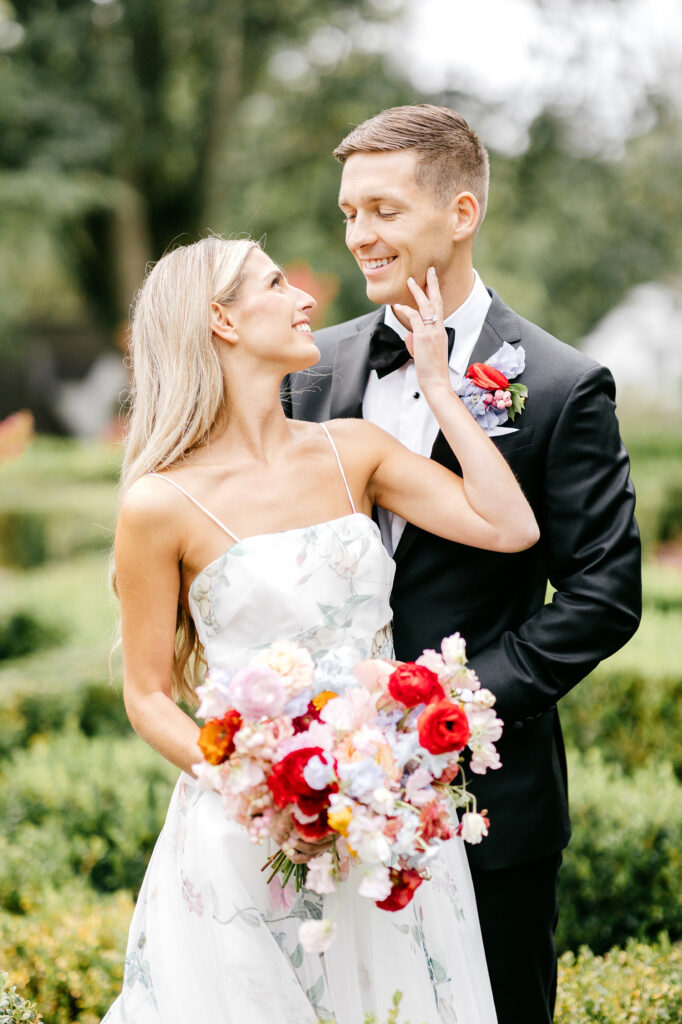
[(519, 393)]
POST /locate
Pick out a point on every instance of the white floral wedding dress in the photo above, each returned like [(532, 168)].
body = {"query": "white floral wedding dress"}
[(210, 941)]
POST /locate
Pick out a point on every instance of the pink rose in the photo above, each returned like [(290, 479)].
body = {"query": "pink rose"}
[(258, 692)]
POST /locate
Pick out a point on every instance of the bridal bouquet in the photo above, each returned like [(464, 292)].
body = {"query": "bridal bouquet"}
[(368, 752)]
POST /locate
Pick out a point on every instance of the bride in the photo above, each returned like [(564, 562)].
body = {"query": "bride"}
[(238, 527)]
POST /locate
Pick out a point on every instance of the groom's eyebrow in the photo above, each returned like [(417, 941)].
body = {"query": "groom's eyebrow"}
[(383, 197)]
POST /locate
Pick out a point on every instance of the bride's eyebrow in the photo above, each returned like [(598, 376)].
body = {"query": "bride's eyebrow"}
[(275, 271)]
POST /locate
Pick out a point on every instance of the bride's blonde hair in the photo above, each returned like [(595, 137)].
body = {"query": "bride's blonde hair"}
[(177, 389)]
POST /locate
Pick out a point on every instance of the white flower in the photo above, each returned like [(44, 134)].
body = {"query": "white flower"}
[(473, 827), (207, 776), (484, 699), (376, 883), (214, 695), (320, 871), (243, 775), (318, 773), (432, 660), (383, 801), (485, 726), (483, 757), (454, 650), (316, 936), (361, 777)]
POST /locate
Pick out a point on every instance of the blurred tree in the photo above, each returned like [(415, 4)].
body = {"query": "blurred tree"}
[(566, 235), (120, 116)]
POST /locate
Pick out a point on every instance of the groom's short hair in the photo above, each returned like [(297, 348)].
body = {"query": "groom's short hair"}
[(452, 158)]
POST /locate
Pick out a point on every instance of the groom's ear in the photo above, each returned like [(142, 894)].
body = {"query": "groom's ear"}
[(221, 323), (465, 216)]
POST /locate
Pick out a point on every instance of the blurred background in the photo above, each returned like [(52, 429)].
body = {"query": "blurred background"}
[(128, 126)]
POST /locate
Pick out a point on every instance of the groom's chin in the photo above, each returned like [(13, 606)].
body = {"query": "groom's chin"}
[(385, 295)]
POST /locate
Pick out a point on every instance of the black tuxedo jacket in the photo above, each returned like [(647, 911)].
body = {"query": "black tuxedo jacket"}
[(570, 461)]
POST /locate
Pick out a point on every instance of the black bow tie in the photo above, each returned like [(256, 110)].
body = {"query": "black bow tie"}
[(388, 352)]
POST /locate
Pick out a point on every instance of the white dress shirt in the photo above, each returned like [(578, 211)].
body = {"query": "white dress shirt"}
[(395, 401)]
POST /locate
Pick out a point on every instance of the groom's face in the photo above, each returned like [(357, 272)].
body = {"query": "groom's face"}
[(394, 228)]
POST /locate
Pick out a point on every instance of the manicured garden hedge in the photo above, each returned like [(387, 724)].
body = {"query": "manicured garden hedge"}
[(71, 964), (92, 808), (621, 872), (636, 985), (74, 806)]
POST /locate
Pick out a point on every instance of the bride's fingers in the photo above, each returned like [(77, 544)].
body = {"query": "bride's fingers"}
[(429, 311), (411, 315), (433, 292)]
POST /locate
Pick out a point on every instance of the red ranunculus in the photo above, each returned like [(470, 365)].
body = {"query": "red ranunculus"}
[(442, 727), (404, 882), (314, 830), (288, 785), (487, 377), (413, 684), (216, 737)]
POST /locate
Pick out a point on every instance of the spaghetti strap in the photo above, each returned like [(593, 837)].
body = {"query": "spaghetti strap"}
[(343, 475), (198, 504)]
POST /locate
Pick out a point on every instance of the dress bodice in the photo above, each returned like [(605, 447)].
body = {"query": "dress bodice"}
[(322, 586)]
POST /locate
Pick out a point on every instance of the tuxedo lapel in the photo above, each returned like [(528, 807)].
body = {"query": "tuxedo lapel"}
[(500, 325), (351, 369)]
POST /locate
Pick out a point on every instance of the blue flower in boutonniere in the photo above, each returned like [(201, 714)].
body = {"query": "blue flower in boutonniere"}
[(486, 389)]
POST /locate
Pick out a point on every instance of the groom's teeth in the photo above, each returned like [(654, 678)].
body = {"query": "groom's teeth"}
[(303, 327), (373, 264)]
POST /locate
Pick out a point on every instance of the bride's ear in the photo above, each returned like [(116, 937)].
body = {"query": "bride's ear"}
[(221, 323)]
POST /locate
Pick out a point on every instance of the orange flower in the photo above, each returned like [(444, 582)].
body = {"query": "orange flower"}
[(216, 738), (323, 698)]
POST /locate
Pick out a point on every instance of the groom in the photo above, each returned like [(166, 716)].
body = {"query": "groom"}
[(413, 193)]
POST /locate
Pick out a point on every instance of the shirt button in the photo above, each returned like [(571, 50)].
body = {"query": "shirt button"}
[(416, 395)]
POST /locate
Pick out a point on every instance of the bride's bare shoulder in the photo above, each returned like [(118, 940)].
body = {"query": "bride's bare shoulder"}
[(150, 504), (358, 432)]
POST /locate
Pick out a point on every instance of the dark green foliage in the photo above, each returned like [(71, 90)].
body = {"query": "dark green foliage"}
[(22, 633), (95, 708), (670, 513), (621, 871), (23, 538), (630, 717), (97, 805)]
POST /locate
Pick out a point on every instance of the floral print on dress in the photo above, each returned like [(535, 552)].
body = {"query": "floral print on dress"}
[(207, 941)]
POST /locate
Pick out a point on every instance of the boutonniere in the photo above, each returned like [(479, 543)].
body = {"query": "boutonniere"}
[(486, 389)]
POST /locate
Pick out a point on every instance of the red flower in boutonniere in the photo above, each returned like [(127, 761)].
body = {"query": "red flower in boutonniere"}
[(486, 389)]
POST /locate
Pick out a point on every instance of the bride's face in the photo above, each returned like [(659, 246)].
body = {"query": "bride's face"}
[(272, 318)]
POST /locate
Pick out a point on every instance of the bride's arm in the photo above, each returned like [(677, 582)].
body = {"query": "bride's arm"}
[(147, 552), (485, 507)]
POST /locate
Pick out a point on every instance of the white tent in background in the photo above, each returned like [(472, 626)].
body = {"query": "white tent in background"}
[(641, 343)]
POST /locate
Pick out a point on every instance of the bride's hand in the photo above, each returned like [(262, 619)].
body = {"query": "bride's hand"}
[(427, 341), (291, 842), (300, 851)]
